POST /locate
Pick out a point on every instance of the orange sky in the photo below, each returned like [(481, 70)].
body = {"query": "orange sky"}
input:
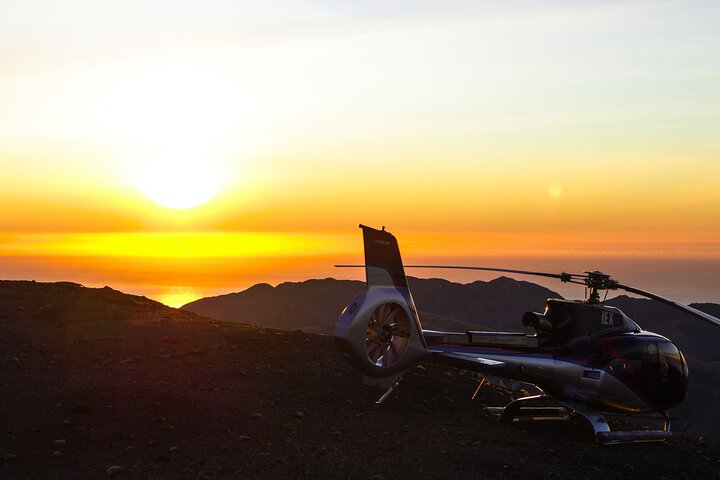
[(205, 147)]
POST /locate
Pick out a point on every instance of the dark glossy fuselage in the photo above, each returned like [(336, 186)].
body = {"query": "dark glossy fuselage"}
[(630, 372)]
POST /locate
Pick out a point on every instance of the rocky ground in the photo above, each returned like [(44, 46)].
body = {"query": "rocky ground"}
[(97, 383)]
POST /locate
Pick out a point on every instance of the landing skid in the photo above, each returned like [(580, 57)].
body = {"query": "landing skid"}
[(388, 383), (515, 411), (605, 436)]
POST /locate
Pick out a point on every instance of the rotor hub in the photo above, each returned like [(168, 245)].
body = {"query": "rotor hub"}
[(385, 334), (596, 281)]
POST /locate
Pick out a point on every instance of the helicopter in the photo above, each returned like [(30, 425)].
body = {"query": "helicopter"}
[(588, 356)]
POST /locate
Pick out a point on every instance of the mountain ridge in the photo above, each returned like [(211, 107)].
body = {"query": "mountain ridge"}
[(290, 304)]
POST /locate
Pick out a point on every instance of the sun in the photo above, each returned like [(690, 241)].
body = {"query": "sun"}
[(555, 191), (179, 183)]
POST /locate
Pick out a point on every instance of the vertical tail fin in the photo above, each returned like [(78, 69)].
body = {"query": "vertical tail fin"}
[(383, 265)]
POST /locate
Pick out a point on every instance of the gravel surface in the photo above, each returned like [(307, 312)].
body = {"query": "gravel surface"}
[(96, 383)]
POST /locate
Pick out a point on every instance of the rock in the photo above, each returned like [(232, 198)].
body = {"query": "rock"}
[(56, 359), (59, 443), (243, 438), (114, 470), (299, 414), (45, 311), (169, 339), (256, 415), (175, 449), (57, 454), (8, 457), (81, 408)]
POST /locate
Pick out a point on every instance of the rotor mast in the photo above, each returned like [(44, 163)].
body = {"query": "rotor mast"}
[(596, 281)]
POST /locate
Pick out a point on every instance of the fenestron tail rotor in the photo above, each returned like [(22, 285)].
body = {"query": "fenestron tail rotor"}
[(388, 335)]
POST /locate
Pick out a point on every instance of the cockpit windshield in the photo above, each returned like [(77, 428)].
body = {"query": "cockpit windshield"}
[(656, 367)]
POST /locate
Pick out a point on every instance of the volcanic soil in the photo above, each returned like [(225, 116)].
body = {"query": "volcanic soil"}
[(97, 383)]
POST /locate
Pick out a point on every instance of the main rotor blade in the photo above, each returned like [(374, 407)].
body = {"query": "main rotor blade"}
[(685, 308), (565, 277)]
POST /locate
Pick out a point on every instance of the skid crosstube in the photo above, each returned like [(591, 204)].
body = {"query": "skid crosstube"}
[(516, 411)]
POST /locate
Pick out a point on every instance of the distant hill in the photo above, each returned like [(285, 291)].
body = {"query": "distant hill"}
[(59, 303), (693, 336), (96, 382), (315, 305)]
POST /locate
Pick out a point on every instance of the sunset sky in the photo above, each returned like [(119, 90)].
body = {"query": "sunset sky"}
[(181, 149)]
